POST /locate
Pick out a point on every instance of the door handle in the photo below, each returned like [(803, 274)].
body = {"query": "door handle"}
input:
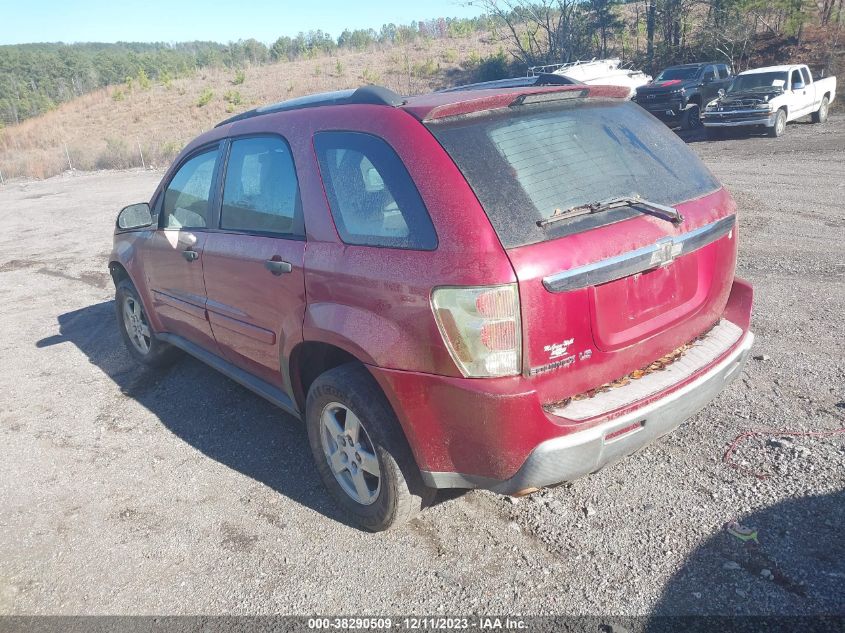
[(190, 255), (277, 266)]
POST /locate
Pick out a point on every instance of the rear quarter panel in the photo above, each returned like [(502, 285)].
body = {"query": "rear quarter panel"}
[(825, 86), (375, 302)]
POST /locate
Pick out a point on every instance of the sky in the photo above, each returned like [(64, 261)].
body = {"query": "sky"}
[(68, 21)]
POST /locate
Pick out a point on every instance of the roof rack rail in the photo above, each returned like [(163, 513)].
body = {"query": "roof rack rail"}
[(372, 95)]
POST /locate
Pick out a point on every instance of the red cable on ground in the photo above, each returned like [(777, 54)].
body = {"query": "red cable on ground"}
[(739, 439)]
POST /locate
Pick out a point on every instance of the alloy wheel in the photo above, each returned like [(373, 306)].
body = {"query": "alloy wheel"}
[(135, 323), (781, 124), (350, 453)]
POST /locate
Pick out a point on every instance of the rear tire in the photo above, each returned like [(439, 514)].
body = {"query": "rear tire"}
[(138, 336), (820, 115), (360, 452), (779, 127)]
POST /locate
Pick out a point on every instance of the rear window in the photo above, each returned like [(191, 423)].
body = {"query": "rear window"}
[(371, 195), (527, 163)]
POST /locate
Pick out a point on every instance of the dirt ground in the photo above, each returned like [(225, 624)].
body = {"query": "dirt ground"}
[(124, 491)]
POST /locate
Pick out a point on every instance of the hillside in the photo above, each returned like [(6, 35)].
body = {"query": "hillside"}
[(113, 126), (147, 119)]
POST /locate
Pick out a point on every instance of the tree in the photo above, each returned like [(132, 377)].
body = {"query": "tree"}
[(540, 31), (603, 20)]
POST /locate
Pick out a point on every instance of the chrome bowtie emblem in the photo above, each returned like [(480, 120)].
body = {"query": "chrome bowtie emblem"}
[(667, 251)]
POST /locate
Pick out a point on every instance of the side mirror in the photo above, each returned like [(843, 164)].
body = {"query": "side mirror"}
[(721, 92), (798, 85), (135, 216)]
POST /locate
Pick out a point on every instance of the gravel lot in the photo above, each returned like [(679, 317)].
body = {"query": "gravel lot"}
[(129, 492)]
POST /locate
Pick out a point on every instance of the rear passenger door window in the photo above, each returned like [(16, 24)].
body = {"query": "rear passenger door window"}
[(187, 197), (805, 74), (260, 192), (373, 199)]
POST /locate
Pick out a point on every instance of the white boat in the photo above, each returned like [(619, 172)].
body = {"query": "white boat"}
[(607, 72)]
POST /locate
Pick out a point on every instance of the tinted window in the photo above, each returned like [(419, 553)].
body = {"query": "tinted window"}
[(260, 193), (724, 71), (806, 75), (186, 200), (528, 163), (372, 197), (709, 73), (681, 72), (796, 78)]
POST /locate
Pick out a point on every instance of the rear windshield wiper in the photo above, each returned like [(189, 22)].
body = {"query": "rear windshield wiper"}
[(652, 208)]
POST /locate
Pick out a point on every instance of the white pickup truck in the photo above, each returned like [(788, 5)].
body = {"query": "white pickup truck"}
[(770, 96)]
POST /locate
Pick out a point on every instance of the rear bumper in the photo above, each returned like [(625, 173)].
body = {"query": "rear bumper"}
[(572, 456), (498, 434)]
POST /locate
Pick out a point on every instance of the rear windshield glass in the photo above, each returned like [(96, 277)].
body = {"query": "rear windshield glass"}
[(530, 162)]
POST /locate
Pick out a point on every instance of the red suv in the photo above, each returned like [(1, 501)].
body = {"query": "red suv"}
[(503, 289)]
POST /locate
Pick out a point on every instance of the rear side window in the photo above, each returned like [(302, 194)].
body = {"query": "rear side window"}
[(373, 200), (260, 193), (806, 75), (709, 73), (724, 71), (530, 162), (186, 200)]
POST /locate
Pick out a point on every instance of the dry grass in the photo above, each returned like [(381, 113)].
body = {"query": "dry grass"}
[(111, 127)]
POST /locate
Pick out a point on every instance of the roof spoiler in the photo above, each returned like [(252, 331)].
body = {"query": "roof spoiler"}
[(518, 97)]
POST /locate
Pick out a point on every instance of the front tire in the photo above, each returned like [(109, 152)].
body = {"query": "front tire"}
[(820, 115), (140, 340), (360, 451), (779, 127), (691, 117), (714, 133)]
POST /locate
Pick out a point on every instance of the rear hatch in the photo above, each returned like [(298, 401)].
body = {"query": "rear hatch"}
[(606, 293)]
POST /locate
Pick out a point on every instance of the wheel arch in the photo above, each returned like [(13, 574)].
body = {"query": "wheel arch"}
[(309, 359), (119, 272)]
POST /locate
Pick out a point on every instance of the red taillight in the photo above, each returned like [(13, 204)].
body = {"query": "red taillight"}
[(499, 335), (481, 328), (495, 304)]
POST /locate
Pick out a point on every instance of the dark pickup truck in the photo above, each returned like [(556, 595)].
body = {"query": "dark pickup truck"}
[(678, 94)]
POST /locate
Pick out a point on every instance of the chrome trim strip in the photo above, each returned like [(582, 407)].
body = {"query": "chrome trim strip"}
[(660, 253), (718, 113), (767, 121)]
